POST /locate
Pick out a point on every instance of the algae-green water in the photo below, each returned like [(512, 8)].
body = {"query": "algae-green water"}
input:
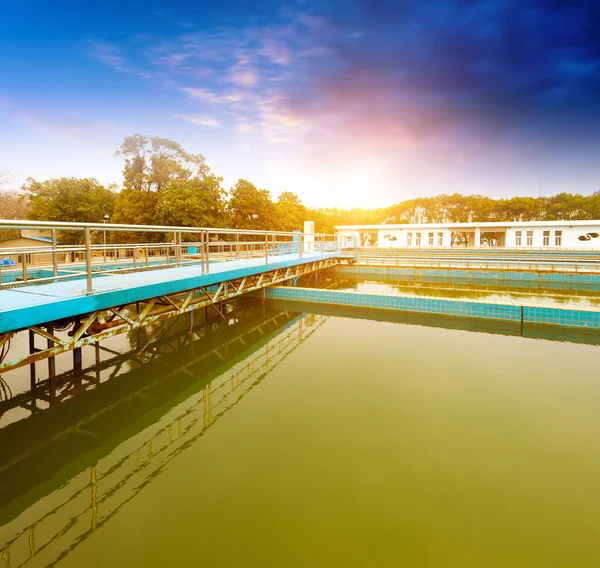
[(319, 441)]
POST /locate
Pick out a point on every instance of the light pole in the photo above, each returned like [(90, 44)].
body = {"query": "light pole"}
[(105, 219)]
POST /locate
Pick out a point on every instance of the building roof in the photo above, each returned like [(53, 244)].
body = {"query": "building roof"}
[(483, 225), (39, 239)]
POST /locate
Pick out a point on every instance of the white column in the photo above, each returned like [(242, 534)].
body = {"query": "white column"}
[(477, 237), (309, 236)]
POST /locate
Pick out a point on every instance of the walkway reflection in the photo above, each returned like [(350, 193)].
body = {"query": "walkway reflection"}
[(195, 391)]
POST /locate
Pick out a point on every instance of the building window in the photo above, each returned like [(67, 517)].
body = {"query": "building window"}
[(529, 238), (440, 239), (558, 238), (518, 238), (546, 238), (418, 239), (409, 239), (27, 259), (430, 239)]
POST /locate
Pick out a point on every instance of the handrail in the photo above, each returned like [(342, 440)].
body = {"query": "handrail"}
[(72, 226), (175, 252)]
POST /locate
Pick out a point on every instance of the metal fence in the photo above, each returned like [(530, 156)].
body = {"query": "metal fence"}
[(542, 260), (149, 247)]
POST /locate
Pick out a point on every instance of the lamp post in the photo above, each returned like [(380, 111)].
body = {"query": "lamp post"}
[(105, 219)]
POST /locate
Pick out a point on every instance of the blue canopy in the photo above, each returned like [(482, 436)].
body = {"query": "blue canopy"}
[(6, 262)]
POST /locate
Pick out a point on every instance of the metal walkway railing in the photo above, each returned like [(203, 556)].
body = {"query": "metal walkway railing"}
[(146, 247)]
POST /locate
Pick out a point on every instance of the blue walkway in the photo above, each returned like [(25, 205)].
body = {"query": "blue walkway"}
[(37, 304)]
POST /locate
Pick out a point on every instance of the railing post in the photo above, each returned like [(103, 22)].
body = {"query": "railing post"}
[(300, 245), (237, 246), (202, 252), (134, 257), (178, 240), (24, 266), (146, 253), (88, 260), (266, 248), (54, 257), (207, 239)]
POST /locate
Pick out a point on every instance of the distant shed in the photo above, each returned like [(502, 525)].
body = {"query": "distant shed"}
[(27, 241)]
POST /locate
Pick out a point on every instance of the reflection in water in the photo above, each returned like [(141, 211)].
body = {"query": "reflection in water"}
[(371, 444), (214, 381)]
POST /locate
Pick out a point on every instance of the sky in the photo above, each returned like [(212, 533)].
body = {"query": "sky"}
[(348, 103)]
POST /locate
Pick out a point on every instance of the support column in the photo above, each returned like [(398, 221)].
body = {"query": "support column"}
[(51, 366), (477, 237)]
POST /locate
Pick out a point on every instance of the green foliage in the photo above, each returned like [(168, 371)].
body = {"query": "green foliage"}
[(152, 162), (135, 207), (251, 208), (290, 213), (192, 203), (68, 199), (165, 185)]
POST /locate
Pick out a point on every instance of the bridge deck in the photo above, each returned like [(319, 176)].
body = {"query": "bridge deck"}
[(34, 305)]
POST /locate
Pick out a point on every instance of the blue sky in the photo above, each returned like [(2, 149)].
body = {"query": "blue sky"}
[(345, 102)]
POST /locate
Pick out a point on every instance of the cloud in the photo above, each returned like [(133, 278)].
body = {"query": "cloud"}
[(109, 54), (199, 120), (243, 77), (276, 51), (201, 94), (349, 77)]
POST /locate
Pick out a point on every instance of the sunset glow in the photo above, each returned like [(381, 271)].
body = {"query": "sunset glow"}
[(346, 103)]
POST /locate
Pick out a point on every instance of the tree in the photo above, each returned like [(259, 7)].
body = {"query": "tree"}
[(192, 203), (251, 208), (13, 205), (566, 206), (151, 162), (135, 207), (69, 199), (289, 212)]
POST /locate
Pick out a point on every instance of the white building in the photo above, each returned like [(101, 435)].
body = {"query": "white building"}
[(522, 235)]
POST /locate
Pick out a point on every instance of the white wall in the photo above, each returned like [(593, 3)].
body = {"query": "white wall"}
[(570, 237), (390, 238)]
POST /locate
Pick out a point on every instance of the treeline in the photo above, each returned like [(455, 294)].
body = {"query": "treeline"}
[(165, 185)]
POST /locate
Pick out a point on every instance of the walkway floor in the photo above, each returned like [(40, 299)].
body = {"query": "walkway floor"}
[(36, 304)]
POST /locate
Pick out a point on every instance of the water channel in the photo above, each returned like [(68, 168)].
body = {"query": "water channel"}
[(305, 437)]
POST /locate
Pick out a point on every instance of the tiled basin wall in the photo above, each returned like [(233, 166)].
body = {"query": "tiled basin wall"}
[(521, 278), (513, 312)]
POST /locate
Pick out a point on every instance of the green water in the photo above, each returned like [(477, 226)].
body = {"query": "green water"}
[(311, 440), (579, 300)]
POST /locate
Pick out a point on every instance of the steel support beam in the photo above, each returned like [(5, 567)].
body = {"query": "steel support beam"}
[(226, 290)]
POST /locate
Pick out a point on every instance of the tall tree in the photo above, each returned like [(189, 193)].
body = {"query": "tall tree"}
[(289, 212), (198, 202), (69, 199), (151, 162), (251, 208)]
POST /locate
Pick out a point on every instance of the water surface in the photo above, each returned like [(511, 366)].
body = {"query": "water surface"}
[(324, 441)]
